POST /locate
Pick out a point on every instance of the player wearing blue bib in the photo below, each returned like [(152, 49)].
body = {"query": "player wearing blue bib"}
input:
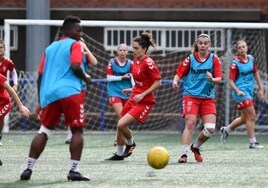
[(59, 86), (199, 72), (243, 70), (119, 78)]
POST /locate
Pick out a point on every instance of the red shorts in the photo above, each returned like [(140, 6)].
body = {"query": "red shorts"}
[(139, 111), (198, 106), (5, 109), (245, 104), (113, 100), (71, 107)]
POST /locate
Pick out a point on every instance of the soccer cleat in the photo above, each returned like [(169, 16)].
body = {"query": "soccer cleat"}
[(76, 176), (115, 157), (183, 159), (67, 141), (197, 154), (26, 174), (224, 135), (255, 145), (129, 149)]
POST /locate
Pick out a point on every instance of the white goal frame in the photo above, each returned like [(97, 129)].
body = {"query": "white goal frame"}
[(132, 24)]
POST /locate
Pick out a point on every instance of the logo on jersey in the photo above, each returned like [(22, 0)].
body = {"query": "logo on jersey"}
[(150, 63), (233, 66), (185, 62)]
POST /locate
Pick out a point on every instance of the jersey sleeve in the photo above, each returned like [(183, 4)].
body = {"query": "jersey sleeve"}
[(255, 67), (233, 72), (153, 70), (41, 64), (76, 53), (217, 67), (2, 79), (10, 65), (109, 69), (183, 67)]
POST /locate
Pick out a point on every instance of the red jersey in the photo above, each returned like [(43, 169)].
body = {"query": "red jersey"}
[(145, 73), (184, 67), (5, 65), (234, 70), (4, 96)]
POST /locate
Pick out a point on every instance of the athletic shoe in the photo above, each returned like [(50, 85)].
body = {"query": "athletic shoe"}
[(197, 154), (26, 174), (129, 149), (224, 135), (67, 141), (115, 157), (183, 159), (76, 176), (1, 163), (255, 145)]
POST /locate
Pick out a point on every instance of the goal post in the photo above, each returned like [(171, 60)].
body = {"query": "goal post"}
[(174, 39)]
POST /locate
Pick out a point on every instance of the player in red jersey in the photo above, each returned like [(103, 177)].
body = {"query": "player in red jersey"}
[(147, 79), (200, 71), (6, 92), (7, 64)]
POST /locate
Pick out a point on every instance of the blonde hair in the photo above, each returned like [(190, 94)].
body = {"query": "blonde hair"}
[(203, 35)]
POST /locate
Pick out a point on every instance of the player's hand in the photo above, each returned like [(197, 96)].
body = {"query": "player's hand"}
[(138, 98), (175, 85), (25, 111), (126, 76), (240, 93), (88, 79), (261, 94), (126, 91), (38, 112)]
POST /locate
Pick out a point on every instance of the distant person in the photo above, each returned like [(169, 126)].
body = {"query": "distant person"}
[(141, 101), (200, 71), (6, 91), (119, 78), (243, 73), (59, 86), (6, 65)]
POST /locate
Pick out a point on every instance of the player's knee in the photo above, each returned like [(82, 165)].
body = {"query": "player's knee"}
[(209, 129), (45, 130)]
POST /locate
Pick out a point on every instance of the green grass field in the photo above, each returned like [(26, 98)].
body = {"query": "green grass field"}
[(230, 165)]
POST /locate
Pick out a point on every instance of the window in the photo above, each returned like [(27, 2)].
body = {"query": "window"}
[(13, 36), (167, 39)]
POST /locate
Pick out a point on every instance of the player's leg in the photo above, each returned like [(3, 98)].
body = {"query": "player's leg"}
[(73, 111), (39, 142), (117, 106)]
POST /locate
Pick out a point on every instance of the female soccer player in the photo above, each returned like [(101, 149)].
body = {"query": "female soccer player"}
[(119, 78), (7, 64), (200, 71), (5, 103), (241, 79), (147, 79)]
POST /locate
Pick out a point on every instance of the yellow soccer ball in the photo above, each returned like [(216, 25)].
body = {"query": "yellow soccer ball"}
[(158, 157)]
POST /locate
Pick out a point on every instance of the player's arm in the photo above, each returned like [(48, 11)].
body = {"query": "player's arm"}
[(216, 77), (259, 82), (183, 69), (25, 111), (76, 60), (233, 76), (90, 57)]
